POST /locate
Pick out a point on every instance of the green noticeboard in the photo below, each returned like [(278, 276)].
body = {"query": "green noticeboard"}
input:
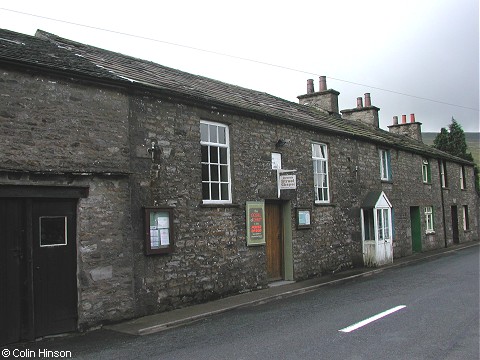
[(255, 216)]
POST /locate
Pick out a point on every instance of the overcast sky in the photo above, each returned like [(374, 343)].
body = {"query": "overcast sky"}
[(413, 56)]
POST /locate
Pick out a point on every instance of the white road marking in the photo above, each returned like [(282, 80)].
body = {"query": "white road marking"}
[(371, 319)]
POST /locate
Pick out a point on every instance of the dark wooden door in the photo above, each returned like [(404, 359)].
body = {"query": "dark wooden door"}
[(12, 269), (456, 239), (38, 267), (416, 228), (54, 266), (274, 240)]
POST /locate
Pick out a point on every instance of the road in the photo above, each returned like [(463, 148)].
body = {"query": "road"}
[(437, 318)]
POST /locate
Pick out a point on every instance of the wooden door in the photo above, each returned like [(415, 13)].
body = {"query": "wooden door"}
[(54, 266), (274, 240), (38, 267), (455, 235), (12, 270), (416, 229)]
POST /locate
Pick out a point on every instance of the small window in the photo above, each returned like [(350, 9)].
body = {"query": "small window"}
[(443, 173), (216, 185), (466, 220), (429, 219), (426, 172), (463, 178), (383, 221), (320, 173), (53, 231), (385, 166)]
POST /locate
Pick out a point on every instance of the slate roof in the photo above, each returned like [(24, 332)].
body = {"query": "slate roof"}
[(50, 52)]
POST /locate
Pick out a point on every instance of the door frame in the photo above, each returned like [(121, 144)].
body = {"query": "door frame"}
[(455, 229), (287, 248), (26, 195)]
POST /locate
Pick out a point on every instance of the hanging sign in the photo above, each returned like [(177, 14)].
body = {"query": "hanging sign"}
[(288, 181), (255, 216)]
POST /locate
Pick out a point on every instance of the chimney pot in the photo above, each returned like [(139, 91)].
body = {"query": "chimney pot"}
[(404, 119), (395, 120), (310, 89), (359, 102), (368, 100), (412, 118), (323, 83)]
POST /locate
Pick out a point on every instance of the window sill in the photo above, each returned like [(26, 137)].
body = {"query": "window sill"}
[(387, 181), (429, 232), (427, 183), (325, 204), (202, 205)]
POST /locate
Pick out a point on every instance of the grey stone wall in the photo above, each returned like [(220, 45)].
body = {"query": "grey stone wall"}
[(60, 125), (58, 132)]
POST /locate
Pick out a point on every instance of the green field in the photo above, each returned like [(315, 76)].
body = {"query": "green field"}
[(472, 139)]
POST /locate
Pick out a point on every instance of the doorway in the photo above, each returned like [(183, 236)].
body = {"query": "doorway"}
[(38, 278), (456, 239), (377, 229), (416, 229), (274, 236)]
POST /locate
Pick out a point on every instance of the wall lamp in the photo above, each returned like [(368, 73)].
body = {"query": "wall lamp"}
[(281, 143)]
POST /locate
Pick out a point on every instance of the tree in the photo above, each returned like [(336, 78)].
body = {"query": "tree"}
[(453, 141)]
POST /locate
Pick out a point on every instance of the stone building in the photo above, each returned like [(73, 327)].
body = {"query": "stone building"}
[(128, 188)]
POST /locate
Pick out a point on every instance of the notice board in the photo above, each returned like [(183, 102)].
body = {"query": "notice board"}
[(255, 218)]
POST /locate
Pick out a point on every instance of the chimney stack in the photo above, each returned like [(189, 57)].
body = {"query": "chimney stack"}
[(323, 83), (367, 115), (359, 102), (412, 129), (310, 89), (368, 100), (324, 99)]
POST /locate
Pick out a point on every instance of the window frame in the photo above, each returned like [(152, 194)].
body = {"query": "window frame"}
[(426, 171), (384, 223), (429, 219), (443, 174), (209, 144), (463, 178), (315, 161), (385, 165)]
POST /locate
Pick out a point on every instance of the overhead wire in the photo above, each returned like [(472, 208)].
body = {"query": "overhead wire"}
[(233, 57)]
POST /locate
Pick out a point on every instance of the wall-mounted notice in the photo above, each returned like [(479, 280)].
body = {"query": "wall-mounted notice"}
[(255, 217), (159, 230)]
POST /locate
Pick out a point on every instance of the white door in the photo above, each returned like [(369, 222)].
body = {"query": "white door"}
[(383, 226)]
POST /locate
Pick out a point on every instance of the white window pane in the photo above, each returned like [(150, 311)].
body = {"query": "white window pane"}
[(204, 132), (222, 138), (212, 129)]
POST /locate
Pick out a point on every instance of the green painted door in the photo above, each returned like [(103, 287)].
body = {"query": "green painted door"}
[(416, 229)]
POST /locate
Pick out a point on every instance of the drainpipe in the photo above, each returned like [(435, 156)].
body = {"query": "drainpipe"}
[(443, 203)]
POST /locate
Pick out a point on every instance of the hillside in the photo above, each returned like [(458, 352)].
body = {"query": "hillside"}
[(472, 139)]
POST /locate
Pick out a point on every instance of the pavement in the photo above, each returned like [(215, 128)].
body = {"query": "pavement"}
[(167, 320)]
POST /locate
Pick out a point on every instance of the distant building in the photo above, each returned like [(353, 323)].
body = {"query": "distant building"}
[(128, 188)]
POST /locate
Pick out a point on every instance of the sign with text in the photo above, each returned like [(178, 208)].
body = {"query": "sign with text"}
[(288, 181), (255, 217)]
